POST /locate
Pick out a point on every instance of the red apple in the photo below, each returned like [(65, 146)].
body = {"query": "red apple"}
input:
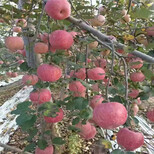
[(96, 73), (29, 79), (61, 40), (49, 73), (96, 100), (130, 140), (150, 114), (58, 9), (59, 117), (87, 131), (110, 115), (47, 150), (41, 96)]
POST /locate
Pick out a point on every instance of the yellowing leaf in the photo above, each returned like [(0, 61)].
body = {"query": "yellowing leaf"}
[(149, 4), (143, 29), (107, 144), (128, 37)]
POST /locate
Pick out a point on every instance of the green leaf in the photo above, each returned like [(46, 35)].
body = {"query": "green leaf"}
[(107, 144), (73, 128), (48, 132), (30, 147), (117, 151), (58, 141), (85, 84), (143, 13), (32, 132), (29, 123), (144, 96), (42, 144), (23, 118), (80, 103), (117, 99), (112, 90), (148, 73), (22, 108), (76, 121), (70, 105), (24, 67), (86, 113), (129, 152)]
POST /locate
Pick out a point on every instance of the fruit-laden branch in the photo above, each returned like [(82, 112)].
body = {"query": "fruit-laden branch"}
[(104, 38), (13, 148)]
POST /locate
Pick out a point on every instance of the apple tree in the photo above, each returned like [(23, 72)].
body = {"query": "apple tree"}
[(89, 61)]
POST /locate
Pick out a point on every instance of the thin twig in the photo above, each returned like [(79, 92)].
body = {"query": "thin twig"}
[(104, 38), (13, 148)]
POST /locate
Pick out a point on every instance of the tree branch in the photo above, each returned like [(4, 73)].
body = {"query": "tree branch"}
[(13, 148), (104, 38)]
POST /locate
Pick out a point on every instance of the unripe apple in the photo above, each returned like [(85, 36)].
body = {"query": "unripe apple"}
[(136, 63), (58, 9), (96, 100), (130, 140), (14, 74), (150, 114), (87, 131), (105, 53), (47, 150), (44, 37), (21, 61), (138, 101), (110, 115), (21, 22), (88, 60), (41, 96), (150, 31), (135, 109), (23, 52), (17, 29), (8, 63), (124, 12), (93, 45), (2, 20), (100, 63), (142, 39), (102, 9), (121, 51), (14, 43), (40, 48), (59, 117), (68, 53), (101, 18), (1, 62), (9, 74), (105, 82), (127, 18), (98, 20), (112, 38)]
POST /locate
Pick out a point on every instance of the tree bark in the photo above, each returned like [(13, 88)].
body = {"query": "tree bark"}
[(31, 57)]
